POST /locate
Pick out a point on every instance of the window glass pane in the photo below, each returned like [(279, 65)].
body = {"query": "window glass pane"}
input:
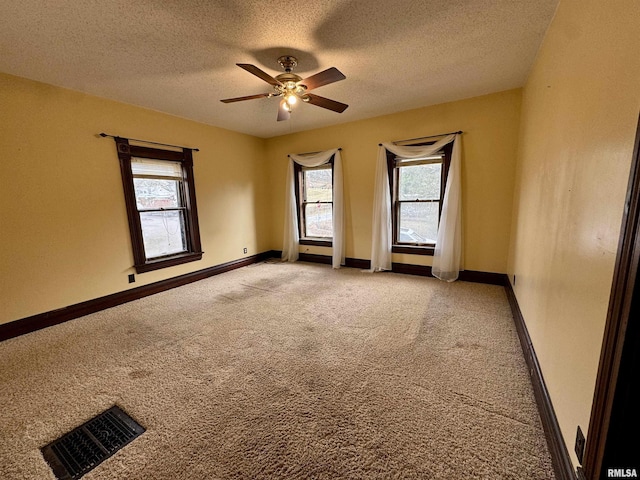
[(163, 233), (156, 168), (418, 222), (419, 182), (318, 185), (152, 193), (319, 220)]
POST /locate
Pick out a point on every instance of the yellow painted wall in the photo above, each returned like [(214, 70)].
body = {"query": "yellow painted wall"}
[(579, 116), (490, 124), (64, 234)]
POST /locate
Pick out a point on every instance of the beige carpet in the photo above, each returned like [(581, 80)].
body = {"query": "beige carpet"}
[(285, 371)]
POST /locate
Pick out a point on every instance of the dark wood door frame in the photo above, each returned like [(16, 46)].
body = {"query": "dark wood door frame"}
[(623, 295)]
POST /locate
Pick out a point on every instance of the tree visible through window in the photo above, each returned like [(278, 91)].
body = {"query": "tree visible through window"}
[(315, 203)]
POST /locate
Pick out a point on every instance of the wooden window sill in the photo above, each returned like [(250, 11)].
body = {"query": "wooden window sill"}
[(168, 262)]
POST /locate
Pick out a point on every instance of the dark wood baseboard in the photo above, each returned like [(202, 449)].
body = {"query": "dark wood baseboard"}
[(562, 464), (465, 275), (326, 259), (410, 269), (313, 258), (357, 263), (491, 278), (54, 317)]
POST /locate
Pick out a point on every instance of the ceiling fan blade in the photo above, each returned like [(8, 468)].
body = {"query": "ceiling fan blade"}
[(325, 77), (259, 73), (327, 103), (283, 113), (239, 99)]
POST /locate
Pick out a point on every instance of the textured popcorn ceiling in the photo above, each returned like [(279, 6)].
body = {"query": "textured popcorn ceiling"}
[(179, 57)]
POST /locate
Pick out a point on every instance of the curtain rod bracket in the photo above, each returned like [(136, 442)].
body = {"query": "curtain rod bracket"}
[(147, 141)]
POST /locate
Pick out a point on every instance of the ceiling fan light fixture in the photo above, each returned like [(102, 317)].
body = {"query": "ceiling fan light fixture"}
[(291, 99)]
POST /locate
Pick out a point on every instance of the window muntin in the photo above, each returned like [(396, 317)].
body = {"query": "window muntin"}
[(314, 195), (161, 205)]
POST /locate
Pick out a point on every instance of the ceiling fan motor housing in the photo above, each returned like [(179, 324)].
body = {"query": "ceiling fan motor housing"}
[(290, 85)]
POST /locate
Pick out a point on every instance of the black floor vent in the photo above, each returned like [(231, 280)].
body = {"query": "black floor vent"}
[(80, 450)]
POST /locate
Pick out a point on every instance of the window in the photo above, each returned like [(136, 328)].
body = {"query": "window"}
[(161, 205), (417, 190), (314, 193)]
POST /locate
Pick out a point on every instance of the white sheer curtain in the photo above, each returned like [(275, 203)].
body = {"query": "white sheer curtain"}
[(291, 235), (447, 257)]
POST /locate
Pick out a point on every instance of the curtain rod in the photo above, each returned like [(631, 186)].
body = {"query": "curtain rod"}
[(147, 141), (422, 138), (312, 153)]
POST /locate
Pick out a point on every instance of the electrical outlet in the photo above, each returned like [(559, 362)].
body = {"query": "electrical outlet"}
[(132, 278), (244, 250), (580, 442)]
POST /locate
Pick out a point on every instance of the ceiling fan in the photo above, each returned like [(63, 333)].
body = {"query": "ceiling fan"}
[(292, 87)]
